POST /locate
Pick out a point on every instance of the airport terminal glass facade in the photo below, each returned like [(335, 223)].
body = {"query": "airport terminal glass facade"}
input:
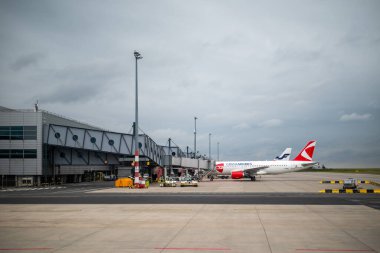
[(18, 132), (18, 153)]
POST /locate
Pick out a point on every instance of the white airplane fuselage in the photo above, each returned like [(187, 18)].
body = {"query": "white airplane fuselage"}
[(240, 169), (234, 168)]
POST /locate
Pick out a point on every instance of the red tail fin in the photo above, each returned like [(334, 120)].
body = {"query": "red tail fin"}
[(306, 153)]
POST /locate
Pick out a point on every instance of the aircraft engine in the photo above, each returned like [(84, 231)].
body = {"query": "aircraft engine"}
[(237, 174)]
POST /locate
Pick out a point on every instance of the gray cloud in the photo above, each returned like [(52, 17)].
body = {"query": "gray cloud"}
[(81, 82), (26, 61), (271, 123), (355, 117)]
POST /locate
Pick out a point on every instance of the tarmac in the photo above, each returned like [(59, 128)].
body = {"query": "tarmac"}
[(300, 182), (197, 227)]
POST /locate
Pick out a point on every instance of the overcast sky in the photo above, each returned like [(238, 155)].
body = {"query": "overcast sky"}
[(259, 75)]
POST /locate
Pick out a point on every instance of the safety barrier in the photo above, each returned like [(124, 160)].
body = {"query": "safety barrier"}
[(350, 191), (342, 181), (331, 182)]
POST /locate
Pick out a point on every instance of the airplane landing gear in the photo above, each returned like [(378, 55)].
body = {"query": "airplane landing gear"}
[(253, 178)]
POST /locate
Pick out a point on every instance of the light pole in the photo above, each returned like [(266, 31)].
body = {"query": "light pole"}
[(218, 150), (209, 150), (209, 146), (136, 137), (195, 137), (170, 157)]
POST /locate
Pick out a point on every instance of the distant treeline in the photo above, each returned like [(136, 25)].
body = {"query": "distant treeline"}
[(343, 170)]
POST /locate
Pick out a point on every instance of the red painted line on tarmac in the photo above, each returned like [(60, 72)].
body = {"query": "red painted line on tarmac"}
[(25, 249), (335, 250), (199, 249)]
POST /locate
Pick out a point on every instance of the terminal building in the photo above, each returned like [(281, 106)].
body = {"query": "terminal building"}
[(39, 147)]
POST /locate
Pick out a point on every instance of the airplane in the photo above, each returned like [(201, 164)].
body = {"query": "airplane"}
[(285, 156), (250, 169)]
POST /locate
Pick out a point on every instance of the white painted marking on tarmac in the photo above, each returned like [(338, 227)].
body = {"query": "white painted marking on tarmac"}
[(32, 189)]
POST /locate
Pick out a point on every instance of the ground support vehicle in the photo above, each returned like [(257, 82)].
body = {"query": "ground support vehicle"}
[(349, 183), (169, 182), (189, 182)]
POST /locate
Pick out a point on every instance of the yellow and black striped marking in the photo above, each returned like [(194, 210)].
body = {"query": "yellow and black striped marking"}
[(350, 191), (342, 181), (331, 182), (363, 182)]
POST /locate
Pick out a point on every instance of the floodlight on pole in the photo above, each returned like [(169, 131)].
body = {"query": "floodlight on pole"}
[(136, 137)]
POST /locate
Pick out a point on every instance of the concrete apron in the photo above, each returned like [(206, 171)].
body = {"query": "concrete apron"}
[(189, 228)]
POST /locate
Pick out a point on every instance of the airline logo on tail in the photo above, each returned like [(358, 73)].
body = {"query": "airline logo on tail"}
[(282, 157), (306, 153), (285, 155)]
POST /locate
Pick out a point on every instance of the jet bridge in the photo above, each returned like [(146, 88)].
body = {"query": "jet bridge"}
[(102, 142), (88, 146), (175, 157)]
